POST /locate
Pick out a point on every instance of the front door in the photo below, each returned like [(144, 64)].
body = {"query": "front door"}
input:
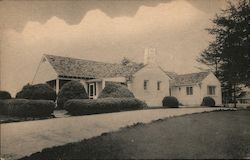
[(92, 91)]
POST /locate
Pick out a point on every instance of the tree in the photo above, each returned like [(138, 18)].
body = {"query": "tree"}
[(127, 62), (229, 53)]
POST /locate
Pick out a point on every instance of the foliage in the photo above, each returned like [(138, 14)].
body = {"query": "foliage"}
[(170, 101), (27, 108), (115, 90), (5, 95), (208, 101), (103, 105), (127, 62), (37, 92), (71, 90), (229, 53)]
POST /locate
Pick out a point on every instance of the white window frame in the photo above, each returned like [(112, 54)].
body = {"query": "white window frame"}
[(189, 90), (93, 90), (213, 90)]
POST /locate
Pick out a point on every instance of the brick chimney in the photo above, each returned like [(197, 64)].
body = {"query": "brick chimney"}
[(150, 56)]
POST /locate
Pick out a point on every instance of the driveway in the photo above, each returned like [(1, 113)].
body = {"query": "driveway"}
[(24, 138)]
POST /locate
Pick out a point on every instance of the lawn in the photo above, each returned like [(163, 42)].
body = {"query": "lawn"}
[(223, 134)]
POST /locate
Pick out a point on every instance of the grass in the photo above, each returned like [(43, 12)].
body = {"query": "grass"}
[(208, 135)]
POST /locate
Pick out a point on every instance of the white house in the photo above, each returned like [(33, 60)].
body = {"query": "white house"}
[(148, 82), (244, 98)]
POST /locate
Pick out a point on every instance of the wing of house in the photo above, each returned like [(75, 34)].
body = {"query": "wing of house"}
[(191, 88), (57, 70)]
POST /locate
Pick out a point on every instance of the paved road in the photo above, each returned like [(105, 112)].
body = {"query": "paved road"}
[(24, 138)]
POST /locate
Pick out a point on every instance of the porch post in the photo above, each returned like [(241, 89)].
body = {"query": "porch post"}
[(103, 83), (57, 85)]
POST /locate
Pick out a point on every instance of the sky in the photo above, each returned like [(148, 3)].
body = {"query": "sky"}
[(106, 30)]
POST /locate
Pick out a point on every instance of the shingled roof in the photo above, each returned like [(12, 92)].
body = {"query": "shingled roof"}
[(72, 67), (189, 79)]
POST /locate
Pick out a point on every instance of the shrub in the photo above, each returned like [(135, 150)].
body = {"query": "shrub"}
[(170, 101), (103, 105), (37, 92), (115, 90), (3, 109), (38, 108), (5, 95), (27, 108), (208, 101), (13, 107), (71, 90)]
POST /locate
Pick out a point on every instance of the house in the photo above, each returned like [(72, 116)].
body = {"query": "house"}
[(244, 98), (148, 82), (190, 89)]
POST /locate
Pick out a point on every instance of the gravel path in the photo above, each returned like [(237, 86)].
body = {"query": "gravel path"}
[(24, 138)]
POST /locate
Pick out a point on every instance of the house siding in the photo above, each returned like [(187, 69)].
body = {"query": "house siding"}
[(151, 95), (211, 80), (187, 100), (44, 73)]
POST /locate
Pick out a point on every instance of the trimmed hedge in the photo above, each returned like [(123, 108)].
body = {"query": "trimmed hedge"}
[(170, 101), (27, 108), (37, 92), (5, 95), (103, 105), (208, 101), (71, 90), (115, 90)]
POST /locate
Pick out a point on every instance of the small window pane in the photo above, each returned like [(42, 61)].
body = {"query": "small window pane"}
[(159, 85), (145, 84)]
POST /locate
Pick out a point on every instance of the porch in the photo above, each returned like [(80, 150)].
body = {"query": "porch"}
[(93, 87)]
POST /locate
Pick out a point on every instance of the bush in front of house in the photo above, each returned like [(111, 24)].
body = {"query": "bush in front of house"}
[(116, 90), (38, 108), (170, 102), (27, 108), (71, 90), (3, 110), (208, 101), (5, 95), (13, 107), (102, 105), (37, 92)]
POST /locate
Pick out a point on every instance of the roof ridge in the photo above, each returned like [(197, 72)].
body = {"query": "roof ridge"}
[(81, 59), (192, 73), (76, 67)]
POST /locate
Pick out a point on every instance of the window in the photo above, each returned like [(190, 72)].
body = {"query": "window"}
[(145, 84), (189, 90), (211, 90), (158, 85)]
